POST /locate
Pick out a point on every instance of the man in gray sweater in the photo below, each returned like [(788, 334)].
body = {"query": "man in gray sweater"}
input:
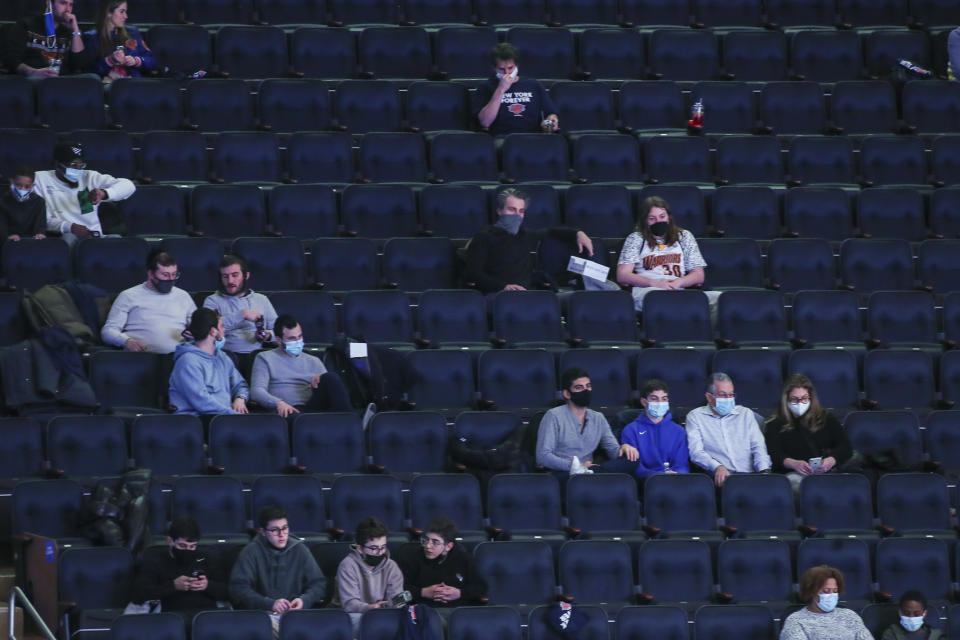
[(570, 433), (276, 571), (248, 316), (290, 381)]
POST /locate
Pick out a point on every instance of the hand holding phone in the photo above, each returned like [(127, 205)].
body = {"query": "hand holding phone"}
[(815, 464), (401, 599)]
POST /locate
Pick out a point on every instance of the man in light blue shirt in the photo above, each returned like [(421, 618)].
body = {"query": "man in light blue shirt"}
[(724, 437)]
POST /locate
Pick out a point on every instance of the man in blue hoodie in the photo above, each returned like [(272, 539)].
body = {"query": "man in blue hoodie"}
[(660, 442), (204, 379)]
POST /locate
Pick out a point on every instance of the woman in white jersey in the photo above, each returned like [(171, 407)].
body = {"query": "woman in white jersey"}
[(660, 255)]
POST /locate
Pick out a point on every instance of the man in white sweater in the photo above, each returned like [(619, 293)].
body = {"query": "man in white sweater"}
[(287, 380), (150, 316), (73, 193)]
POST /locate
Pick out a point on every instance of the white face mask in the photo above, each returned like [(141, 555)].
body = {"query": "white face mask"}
[(798, 409), (828, 601), (512, 74), (911, 624)]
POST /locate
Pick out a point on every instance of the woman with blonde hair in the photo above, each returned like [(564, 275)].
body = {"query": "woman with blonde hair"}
[(802, 437), (820, 587)]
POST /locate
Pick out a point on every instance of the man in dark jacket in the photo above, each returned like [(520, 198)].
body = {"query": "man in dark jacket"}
[(23, 213), (276, 571), (443, 574), (42, 44), (500, 258), (179, 576)]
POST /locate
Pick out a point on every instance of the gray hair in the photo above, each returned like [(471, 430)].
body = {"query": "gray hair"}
[(511, 192), (714, 378)]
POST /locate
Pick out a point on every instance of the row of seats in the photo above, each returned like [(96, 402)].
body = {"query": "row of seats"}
[(530, 506), (711, 622), (360, 106), (866, 265), (332, 157), (711, 13), (463, 52)]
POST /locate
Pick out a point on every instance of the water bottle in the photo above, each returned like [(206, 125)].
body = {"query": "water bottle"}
[(696, 113), (666, 467), (55, 64)]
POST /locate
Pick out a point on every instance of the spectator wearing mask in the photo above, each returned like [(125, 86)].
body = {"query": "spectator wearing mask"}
[(822, 619), (912, 624), (367, 578), (660, 442), (23, 213)]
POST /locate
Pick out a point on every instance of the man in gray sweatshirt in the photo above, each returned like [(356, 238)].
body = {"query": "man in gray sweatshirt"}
[(288, 380), (248, 316), (276, 572)]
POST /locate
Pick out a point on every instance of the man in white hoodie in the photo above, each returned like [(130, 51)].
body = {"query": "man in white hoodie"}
[(73, 193)]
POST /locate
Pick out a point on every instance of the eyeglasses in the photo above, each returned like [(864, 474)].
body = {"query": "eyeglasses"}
[(167, 276), (278, 530), (724, 395), (374, 549), (431, 542), (802, 400)]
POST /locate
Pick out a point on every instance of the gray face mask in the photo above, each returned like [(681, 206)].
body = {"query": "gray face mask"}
[(509, 222)]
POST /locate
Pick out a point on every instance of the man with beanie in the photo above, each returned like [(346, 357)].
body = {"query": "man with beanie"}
[(367, 578), (204, 380), (179, 576), (150, 316), (276, 572), (570, 433), (441, 573), (500, 257), (73, 193)]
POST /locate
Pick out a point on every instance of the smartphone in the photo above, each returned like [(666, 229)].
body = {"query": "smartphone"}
[(401, 599), (199, 568), (815, 463)]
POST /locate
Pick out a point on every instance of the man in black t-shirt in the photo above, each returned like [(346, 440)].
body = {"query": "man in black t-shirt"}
[(512, 104), (44, 45)]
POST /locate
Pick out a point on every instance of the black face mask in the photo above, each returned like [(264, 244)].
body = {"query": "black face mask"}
[(580, 398), (373, 561), (163, 286), (184, 556), (660, 229)]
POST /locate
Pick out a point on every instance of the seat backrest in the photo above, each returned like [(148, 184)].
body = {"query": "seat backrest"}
[(252, 52), (532, 156), (611, 53), (609, 371), (183, 48), (602, 502), (21, 453), (225, 624), (87, 445), (452, 315), (517, 377), (755, 55), (379, 210), (754, 570), (215, 502), (864, 106), (914, 501), (676, 570), (174, 155), (731, 262), (679, 54), (516, 571), (678, 159), (850, 555), (127, 378), (601, 316), (386, 156), (876, 264), (802, 12), (598, 571), (49, 508), (416, 264), (663, 622), (546, 53), (408, 441), (826, 55), (943, 436), (833, 373), (836, 501), (928, 106), (246, 156), (938, 265), (683, 369), (902, 317), (303, 210), (463, 52), (219, 104), (160, 626), (321, 156), (652, 105), (453, 495), (730, 106), (897, 379), (300, 495), (431, 106), (687, 204), (68, 103), (277, 261), (826, 316), (249, 443), (367, 105), (345, 264), (168, 444), (749, 159), (228, 210), (293, 104), (95, 577), (751, 316), (323, 52), (160, 209), (113, 264), (914, 563), (475, 623), (303, 624), (517, 501), (525, 316), (888, 160), (441, 379), (818, 212), (680, 502), (377, 316), (669, 318), (747, 212), (713, 622), (354, 497), (31, 263), (801, 263), (876, 432), (328, 442), (758, 502)]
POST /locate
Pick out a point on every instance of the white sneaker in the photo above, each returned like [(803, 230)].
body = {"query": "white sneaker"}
[(576, 467)]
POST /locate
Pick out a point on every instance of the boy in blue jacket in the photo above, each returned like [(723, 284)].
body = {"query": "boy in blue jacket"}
[(660, 442)]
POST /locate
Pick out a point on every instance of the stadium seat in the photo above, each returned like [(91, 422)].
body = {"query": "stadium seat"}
[(797, 264), (408, 441), (676, 572), (683, 369), (606, 158), (442, 379), (834, 374), (681, 320), (251, 52), (379, 211), (652, 107), (278, 263), (246, 156), (88, 446), (304, 623), (355, 497), (250, 444), (518, 573), (903, 319), (681, 506), (29, 264), (851, 556), (321, 156), (525, 507), (612, 54), (864, 106), (344, 264), (882, 432), (159, 209), (378, 316), (219, 104), (287, 105), (304, 211), (463, 52), (173, 156), (328, 443), (838, 505), (65, 104), (127, 382), (168, 445), (683, 55), (914, 563), (394, 52), (868, 265), (215, 502), (746, 212), (363, 106), (475, 623), (651, 622), (292, 12), (241, 625), (461, 157), (97, 582), (433, 106), (604, 506), (823, 160), (453, 318), (228, 211), (183, 48), (452, 495), (893, 160), (752, 56), (714, 622), (323, 52), (894, 379), (749, 160), (546, 53), (825, 55)]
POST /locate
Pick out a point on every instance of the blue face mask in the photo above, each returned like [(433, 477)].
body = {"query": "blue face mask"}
[(724, 406), (828, 601), (294, 348), (219, 342), (657, 410), (73, 175), (911, 624), (20, 194)]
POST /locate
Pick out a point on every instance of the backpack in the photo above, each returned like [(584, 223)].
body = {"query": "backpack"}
[(381, 378), (414, 624)]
